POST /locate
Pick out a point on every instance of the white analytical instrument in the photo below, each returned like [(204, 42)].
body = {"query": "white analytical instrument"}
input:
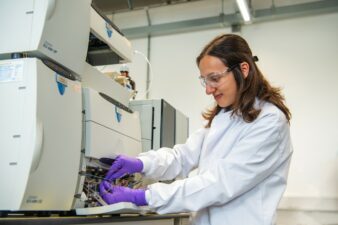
[(59, 114)]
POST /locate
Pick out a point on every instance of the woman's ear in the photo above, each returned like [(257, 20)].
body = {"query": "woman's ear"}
[(245, 68)]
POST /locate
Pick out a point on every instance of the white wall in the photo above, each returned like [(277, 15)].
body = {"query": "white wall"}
[(300, 55)]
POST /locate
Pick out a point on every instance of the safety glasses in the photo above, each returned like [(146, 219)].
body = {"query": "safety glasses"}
[(214, 79)]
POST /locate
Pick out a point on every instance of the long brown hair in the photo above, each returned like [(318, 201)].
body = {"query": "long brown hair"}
[(232, 50)]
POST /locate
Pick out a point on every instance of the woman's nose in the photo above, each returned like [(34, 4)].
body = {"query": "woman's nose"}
[(209, 90)]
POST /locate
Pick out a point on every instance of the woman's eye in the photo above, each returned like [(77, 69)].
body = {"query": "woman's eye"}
[(214, 78)]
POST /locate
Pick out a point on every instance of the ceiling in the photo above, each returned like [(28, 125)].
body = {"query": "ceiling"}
[(116, 6), (141, 18)]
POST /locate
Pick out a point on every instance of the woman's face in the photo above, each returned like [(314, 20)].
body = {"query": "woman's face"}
[(218, 81)]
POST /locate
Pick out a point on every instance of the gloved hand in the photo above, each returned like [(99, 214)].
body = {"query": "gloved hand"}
[(113, 194), (122, 165)]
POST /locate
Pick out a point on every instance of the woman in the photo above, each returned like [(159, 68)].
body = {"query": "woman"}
[(242, 155)]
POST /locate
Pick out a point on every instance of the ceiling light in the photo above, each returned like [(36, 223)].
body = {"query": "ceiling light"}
[(244, 9)]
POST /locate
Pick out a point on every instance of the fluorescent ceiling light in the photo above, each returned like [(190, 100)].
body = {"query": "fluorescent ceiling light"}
[(244, 9)]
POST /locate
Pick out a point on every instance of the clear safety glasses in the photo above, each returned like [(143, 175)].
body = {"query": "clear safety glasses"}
[(214, 79)]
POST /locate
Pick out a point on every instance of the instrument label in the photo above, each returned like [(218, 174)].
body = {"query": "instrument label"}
[(11, 71)]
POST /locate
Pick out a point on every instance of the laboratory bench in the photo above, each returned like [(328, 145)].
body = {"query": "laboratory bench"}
[(128, 219)]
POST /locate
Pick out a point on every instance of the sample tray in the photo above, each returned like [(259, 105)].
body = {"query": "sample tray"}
[(118, 208)]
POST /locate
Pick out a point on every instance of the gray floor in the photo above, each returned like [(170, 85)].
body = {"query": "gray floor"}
[(293, 217)]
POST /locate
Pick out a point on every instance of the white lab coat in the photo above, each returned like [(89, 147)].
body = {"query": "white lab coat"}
[(242, 170)]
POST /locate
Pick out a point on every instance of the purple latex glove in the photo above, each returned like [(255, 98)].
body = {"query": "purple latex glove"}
[(122, 165), (113, 194)]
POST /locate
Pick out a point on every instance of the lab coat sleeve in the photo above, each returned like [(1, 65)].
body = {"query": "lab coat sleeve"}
[(167, 163), (260, 151)]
